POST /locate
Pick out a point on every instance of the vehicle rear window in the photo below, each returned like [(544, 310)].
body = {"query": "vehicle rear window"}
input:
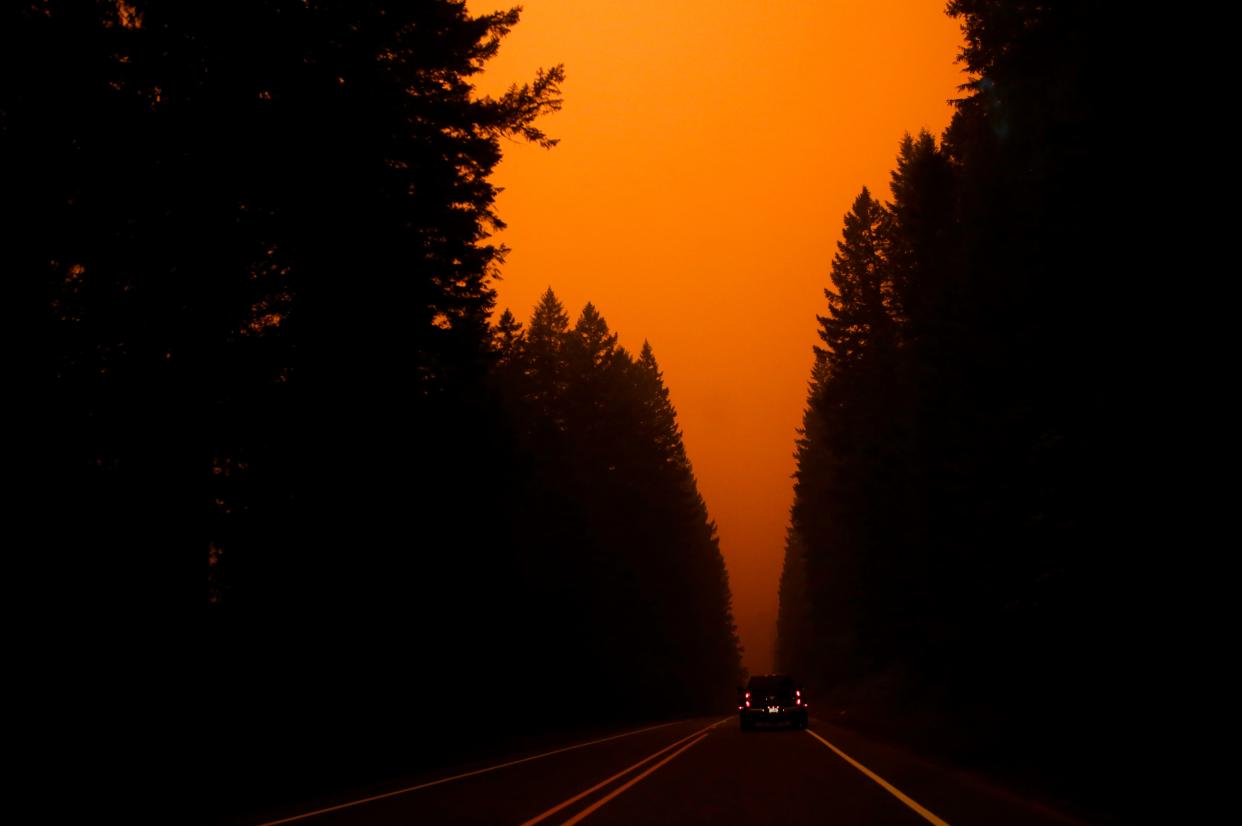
[(770, 684)]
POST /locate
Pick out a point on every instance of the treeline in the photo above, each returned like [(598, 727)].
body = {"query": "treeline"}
[(617, 559), (954, 566), (252, 240)]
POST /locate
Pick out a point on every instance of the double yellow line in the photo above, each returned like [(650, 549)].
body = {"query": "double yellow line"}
[(693, 740)]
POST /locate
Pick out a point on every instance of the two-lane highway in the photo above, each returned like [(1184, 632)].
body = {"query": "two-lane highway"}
[(694, 771)]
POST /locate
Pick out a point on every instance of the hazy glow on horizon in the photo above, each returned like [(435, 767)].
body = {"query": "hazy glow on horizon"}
[(708, 153)]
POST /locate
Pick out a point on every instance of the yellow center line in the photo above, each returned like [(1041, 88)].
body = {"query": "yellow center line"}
[(601, 784), (893, 790), (631, 782), (461, 776)]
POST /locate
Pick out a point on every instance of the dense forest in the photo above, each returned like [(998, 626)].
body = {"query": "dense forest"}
[(955, 565), (255, 243)]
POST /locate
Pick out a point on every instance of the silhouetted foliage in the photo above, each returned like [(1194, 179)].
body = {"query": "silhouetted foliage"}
[(610, 504), (253, 244), (949, 558)]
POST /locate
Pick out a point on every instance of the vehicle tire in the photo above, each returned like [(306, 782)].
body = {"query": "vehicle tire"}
[(747, 725)]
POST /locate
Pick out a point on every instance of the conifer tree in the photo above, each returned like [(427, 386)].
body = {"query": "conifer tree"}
[(508, 338), (922, 242), (858, 321), (545, 350)]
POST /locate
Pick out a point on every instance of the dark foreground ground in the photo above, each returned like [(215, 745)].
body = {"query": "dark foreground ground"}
[(691, 771)]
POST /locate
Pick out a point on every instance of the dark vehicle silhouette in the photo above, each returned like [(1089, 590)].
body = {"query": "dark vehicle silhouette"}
[(772, 699)]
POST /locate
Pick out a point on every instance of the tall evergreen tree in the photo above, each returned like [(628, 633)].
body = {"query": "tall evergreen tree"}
[(795, 634), (849, 459), (923, 245), (858, 323), (546, 336), (508, 338)]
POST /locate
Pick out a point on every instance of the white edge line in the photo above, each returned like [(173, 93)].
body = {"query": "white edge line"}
[(893, 790), (461, 776)]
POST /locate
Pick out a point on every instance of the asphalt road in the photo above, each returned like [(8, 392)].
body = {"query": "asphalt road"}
[(692, 771)]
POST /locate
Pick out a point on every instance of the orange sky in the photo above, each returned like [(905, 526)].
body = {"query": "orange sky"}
[(708, 153)]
